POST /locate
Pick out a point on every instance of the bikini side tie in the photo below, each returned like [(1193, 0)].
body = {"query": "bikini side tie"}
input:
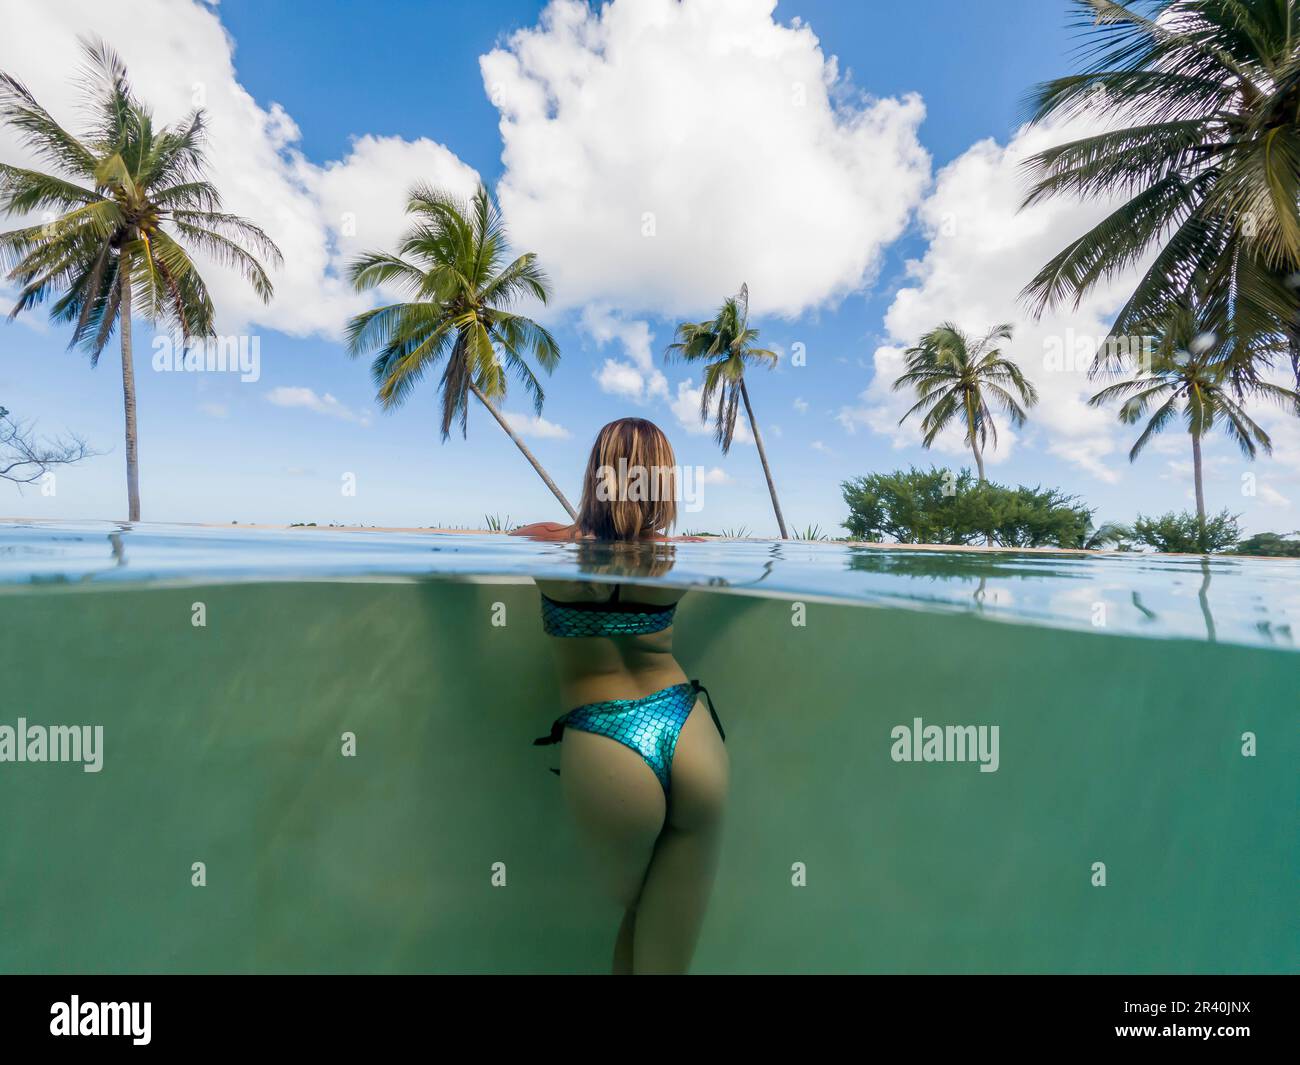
[(708, 699)]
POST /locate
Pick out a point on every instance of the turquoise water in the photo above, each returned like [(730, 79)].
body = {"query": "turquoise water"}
[(1146, 710)]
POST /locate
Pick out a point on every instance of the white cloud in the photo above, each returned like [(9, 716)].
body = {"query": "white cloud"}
[(634, 377), (1272, 496), (731, 138), (178, 55), (717, 475), (801, 405), (983, 249), (686, 408), (215, 410), (536, 426), (306, 398)]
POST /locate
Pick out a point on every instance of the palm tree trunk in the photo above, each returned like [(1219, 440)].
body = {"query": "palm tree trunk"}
[(1200, 490), (974, 440), (975, 450), (762, 456), (979, 465), (524, 448), (128, 399)]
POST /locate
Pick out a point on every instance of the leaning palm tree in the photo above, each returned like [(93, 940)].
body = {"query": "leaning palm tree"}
[(956, 378), (1203, 101), (725, 345), (452, 265), (1188, 372), (125, 204)]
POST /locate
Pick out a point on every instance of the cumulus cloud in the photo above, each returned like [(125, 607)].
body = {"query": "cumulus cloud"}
[(634, 376), (660, 152), (179, 56), (306, 398), (535, 426), (1272, 497)]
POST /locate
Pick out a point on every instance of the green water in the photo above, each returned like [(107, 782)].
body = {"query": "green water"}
[(222, 746)]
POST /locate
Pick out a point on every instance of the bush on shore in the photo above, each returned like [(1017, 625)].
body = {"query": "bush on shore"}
[(939, 506)]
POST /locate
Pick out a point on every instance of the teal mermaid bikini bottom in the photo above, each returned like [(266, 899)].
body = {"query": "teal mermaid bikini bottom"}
[(649, 726)]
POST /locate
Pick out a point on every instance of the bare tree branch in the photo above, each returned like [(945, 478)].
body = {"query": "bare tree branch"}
[(25, 458)]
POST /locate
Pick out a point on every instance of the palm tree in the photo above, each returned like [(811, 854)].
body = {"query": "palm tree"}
[(725, 345), (1189, 372), (1112, 534), (452, 265), (1206, 156), (129, 198), (956, 377)]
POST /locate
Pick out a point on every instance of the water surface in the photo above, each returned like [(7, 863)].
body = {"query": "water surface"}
[(1218, 599)]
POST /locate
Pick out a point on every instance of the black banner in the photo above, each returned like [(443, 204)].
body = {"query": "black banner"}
[(140, 1014)]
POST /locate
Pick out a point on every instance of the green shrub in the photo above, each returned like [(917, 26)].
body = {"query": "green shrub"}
[(1274, 545), (1178, 531), (938, 506)]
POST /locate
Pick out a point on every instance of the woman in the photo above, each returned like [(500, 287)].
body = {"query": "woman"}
[(643, 765)]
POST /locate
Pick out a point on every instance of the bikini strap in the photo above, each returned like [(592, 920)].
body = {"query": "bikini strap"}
[(700, 689), (556, 734)]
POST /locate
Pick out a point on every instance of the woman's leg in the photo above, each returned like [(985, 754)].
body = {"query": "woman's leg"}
[(619, 807), (675, 892), (623, 944)]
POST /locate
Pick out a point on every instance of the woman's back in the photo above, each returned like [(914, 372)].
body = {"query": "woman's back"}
[(624, 666)]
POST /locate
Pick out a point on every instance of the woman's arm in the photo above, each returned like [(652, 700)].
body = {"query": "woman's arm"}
[(545, 530)]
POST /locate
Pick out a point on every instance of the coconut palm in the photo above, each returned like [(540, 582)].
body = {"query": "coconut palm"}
[(725, 345), (1203, 101), (957, 378), (1109, 534), (1188, 374), (452, 264), (125, 203)]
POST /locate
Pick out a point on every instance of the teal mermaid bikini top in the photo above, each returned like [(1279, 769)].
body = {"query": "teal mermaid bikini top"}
[(608, 617)]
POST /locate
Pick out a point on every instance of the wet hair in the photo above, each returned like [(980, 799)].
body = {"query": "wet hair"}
[(629, 491)]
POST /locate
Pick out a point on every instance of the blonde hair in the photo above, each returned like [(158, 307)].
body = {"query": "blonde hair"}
[(629, 491)]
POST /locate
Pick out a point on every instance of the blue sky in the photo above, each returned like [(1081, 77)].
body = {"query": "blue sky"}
[(884, 206)]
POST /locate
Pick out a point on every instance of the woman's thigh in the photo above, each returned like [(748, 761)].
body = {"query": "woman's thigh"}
[(618, 805)]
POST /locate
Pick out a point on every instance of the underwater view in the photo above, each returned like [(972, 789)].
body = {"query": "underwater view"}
[(1125, 801)]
